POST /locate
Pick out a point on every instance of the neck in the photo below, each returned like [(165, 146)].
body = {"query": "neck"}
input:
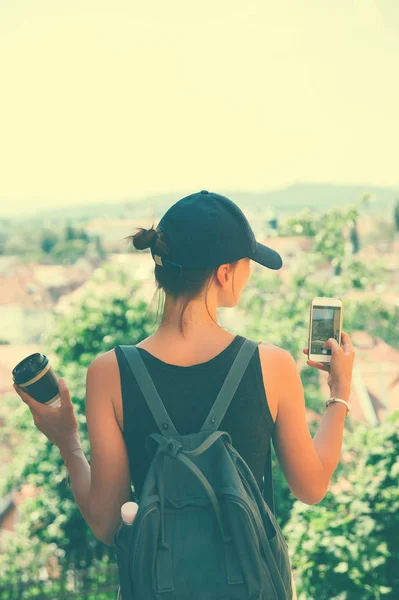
[(197, 322), (192, 331)]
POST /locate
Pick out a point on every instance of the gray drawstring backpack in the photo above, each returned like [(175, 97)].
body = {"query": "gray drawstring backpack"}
[(203, 530)]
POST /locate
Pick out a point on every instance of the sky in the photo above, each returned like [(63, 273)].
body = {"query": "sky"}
[(102, 101)]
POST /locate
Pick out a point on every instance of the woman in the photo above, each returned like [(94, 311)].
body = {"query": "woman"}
[(202, 250)]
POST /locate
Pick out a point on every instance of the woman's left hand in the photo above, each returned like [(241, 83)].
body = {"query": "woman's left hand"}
[(57, 423)]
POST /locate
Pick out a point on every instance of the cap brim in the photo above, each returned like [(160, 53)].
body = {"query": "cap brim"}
[(267, 257)]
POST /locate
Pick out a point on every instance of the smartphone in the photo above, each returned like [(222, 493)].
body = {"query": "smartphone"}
[(325, 322)]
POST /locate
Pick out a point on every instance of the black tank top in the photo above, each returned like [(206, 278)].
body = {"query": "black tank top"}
[(188, 394)]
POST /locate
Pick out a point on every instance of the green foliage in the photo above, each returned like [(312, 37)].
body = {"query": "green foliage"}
[(116, 315), (327, 230), (396, 214), (49, 239), (304, 223), (114, 312), (279, 313), (111, 313), (354, 237), (375, 317), (359, 275), (49, 244), (4, 236), (42, 571), (347, 547), (74, 233), (68, 252)]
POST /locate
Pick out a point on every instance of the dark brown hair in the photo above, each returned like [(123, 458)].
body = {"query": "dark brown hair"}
[(188, 285)]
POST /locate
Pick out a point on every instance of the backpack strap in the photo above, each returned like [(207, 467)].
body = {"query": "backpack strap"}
[(155, 404), (218, 410), (223, 401), (230, 386), (149, 391), (268, 490)]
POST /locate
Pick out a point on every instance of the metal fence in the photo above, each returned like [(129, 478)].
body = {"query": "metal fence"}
[(92, 583)]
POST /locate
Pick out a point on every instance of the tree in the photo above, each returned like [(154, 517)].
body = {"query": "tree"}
[(75, 233), (48, 240), (279, 313), (347, 546), (396, 215), (111, 313), (3, 240), (328, 230), (354, 237)]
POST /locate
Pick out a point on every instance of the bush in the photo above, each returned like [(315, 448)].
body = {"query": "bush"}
[(347, 546)]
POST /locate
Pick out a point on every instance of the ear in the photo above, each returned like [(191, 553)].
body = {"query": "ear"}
[(222, 273)]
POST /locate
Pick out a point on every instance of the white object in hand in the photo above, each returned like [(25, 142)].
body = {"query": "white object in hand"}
[(129, 511)]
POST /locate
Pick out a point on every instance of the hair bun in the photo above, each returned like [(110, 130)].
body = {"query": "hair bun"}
[(148, 238), (143, 239), (153, 236)]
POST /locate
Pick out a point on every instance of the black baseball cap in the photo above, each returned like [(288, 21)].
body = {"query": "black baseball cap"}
[(206, 230)]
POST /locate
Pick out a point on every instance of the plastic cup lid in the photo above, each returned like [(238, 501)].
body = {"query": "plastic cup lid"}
[(129, 511)]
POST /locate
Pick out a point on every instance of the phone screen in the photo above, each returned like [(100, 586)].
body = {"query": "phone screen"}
[(325, 324)]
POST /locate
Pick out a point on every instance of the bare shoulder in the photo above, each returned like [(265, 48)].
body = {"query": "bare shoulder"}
[(110, 362), (105, 360), (269, 352), (106, 365), (269, 346)]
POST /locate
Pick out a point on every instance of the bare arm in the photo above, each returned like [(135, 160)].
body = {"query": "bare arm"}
[(328, 438), (307, 463)]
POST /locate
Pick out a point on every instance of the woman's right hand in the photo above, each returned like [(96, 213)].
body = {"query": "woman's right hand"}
[(340, 368)]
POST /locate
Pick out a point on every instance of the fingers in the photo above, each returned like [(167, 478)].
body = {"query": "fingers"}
[(346, 347), (64, 394), (346, 343), (37, 408), (332, 344), (318, 365), (31, 402)]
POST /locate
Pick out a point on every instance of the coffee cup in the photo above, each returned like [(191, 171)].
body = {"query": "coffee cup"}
[(35, 376)]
